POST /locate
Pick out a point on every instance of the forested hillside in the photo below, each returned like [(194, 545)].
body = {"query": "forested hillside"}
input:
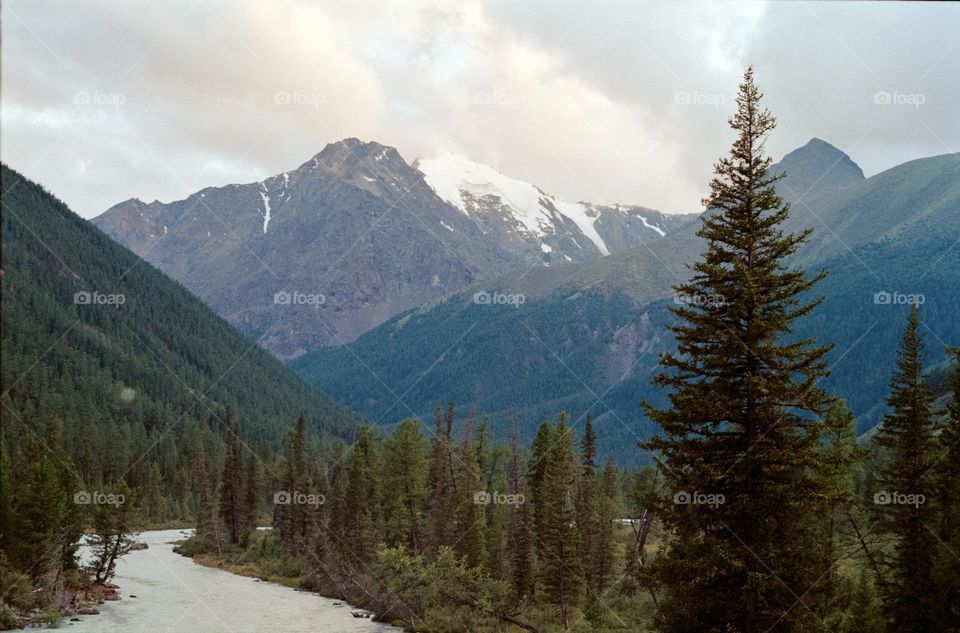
[(129, 369), (588, 336)]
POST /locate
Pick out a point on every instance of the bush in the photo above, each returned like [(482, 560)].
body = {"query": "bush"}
[(8, 620), (50, 617)]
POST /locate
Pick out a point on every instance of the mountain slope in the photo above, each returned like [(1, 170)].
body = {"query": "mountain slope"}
[(587, 336), (135, 370), (358, 235), (573, 231)]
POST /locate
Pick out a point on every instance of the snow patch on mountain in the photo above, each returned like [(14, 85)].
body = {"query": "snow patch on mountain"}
[(459, 181), (266, 206), (650, 226)]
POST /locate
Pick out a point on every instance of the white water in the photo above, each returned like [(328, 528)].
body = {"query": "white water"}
[(175, 595)]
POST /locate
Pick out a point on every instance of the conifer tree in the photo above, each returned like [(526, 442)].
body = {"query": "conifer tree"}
[(740, 438), (251, 497), (521, 535), (441, 482), (839, 456), (470, 515), (291, 516), (536, 472), (363, 496), (209, 526), (946, 472), (231, 485), (901, 504), (604, 549), (560, 566), (586, 506), (404, 474)]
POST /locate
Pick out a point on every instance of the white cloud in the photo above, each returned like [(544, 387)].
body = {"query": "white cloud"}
[(612, 101)]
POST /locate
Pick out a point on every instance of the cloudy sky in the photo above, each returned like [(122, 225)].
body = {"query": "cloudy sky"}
[(597, 100)]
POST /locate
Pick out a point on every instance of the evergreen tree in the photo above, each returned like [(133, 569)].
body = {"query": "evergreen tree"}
[(536, 473), (521, 535), (560, 566), (864, 615), (586, 506), (470, 515), (231, 485), (251, 498), (908, 592), (840, 454), (291, 515), (363, 497), (441, 482), (603, 552), (946, 472), (112, 536), (404, 475), (209, 526), (742, 432)]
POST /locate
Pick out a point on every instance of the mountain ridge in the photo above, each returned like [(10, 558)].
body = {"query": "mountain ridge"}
[(358, 228)]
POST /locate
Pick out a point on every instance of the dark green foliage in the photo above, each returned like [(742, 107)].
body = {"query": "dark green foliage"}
[(112, 523), (132, 384), (113, 375), (560, 565), (739, 446), (905, 487)]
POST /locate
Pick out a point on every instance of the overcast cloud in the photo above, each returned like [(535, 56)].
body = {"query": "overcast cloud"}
[(592, 100)]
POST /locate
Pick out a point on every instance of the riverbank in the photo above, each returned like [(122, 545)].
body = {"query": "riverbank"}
[(163, 591)]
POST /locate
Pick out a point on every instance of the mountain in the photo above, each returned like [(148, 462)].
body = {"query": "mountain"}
[(133, 370), (325, 252), (514, 209), (816, 169), (586, 337)]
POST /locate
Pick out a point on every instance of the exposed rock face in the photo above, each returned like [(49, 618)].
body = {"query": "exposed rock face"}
[(321, 254)]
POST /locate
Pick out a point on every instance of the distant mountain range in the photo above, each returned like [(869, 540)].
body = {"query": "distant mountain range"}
[(395, 286), (356, 235), (587, 336)]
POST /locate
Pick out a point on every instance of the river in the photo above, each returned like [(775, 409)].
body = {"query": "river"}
[(174, 594)]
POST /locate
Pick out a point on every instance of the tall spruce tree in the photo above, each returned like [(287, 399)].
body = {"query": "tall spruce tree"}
[(232, 504), (587, 506), (470, 515), (441, 483), (743, 425), (521, 533), (560, 566), (536, 475), (404, 474), (906, 486)]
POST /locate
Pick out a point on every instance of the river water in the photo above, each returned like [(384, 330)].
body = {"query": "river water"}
[(175, 595)]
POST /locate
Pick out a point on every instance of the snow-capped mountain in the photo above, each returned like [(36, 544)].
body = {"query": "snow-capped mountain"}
[(574, 231), (370, 234)]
